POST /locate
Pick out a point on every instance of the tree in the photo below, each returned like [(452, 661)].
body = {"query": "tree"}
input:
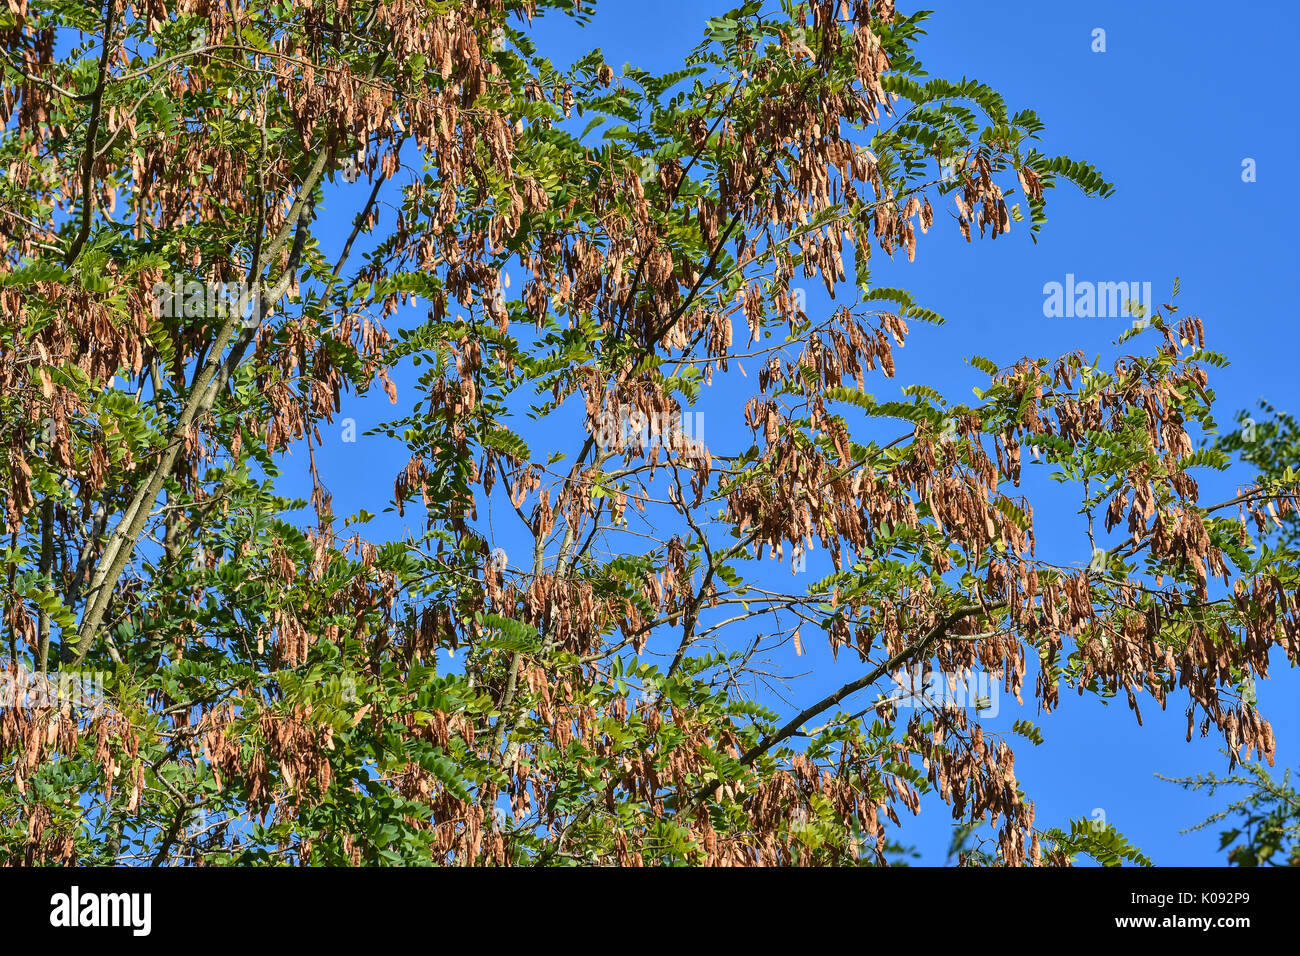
[(1269, 813), (1271, 447), (1269, 816), (272, 688)]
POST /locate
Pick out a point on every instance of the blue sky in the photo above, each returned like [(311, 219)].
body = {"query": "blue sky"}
[(1157, 113)]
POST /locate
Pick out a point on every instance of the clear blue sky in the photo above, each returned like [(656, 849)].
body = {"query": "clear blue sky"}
[(1183, 94)]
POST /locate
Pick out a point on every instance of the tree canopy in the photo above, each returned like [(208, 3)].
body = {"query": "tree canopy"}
[(559, 263)]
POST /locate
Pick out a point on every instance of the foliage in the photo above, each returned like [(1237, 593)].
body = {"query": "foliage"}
[(1267, 817), (1271, 446), (281, 685)]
